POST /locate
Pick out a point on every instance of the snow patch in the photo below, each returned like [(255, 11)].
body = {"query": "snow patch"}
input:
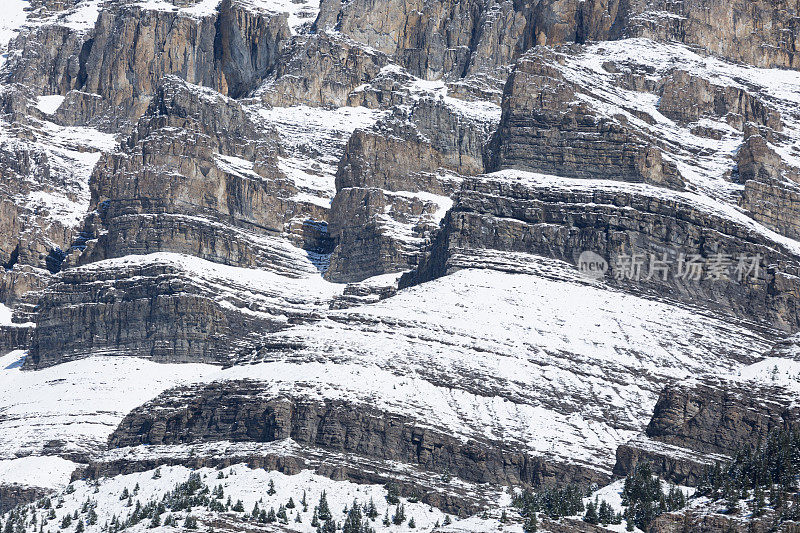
[(47, 471), (49, 104)]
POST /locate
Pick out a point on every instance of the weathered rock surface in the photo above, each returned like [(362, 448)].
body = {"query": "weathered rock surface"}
[(125, 54), (758, 33), (196, 166), (14, 494), (243, 411), (546, 127), (710, 519), (702, 421), (516, 212), (394, 182), (321, 70), (719, 416), (171, 308)]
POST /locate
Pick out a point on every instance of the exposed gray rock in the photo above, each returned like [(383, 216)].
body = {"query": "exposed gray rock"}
[(378, 223), (243, 411), (196, 165), (560, 221), (546, 128), (321, 70)]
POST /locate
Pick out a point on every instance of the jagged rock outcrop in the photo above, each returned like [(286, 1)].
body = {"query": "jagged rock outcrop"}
[(521, 213), (699, 422), (686, 98), (546, 127), (13, 494), (197, 165), (762, 33), (170, 308), (321, 70), (709, 519), (394, 182), (716, 416), (246, 411), (771, 187), (113, 69), (451, 40), (49, 58)]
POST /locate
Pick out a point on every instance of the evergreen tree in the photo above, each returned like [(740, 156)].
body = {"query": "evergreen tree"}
[(271, 490), (591, 514), (371, 511), (281, 514), (392, 494), (290, 504), (605, 514), (190, 522), (352, 524), (758, 501), (530, 525), (323, 511), (399, 515), (328, 527)]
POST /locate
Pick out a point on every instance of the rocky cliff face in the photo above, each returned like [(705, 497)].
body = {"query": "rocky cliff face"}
[(246, 412), (345, 237), (518, 213)]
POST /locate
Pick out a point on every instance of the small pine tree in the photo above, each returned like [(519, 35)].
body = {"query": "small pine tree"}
[(412, 524), (371, 511), (290, 504), (271, 491), (239, 507), (190, 522), (531, 524), (399, 515), (392, 495), (758, 501), (447, 520), (605, 514), (323, 511), (79, 528), (591, 514)]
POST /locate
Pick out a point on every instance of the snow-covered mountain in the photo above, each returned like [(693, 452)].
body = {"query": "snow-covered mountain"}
[(259, 250)]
